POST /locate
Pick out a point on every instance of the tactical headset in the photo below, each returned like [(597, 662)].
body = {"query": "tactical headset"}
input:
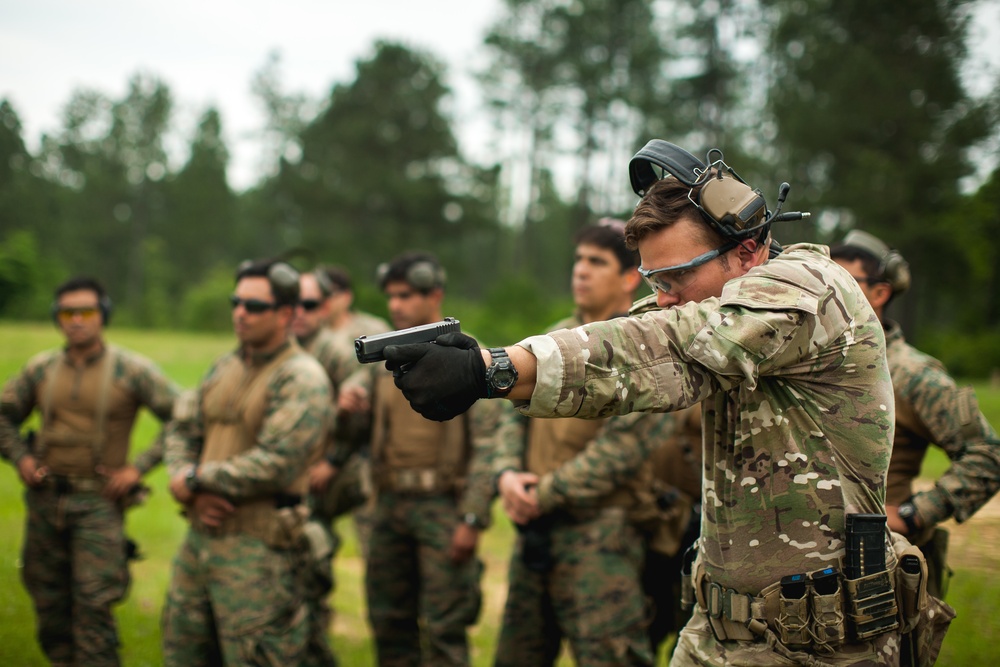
[(726, 202), (423, 275), (892, 267), (103, 304), (282, 277)]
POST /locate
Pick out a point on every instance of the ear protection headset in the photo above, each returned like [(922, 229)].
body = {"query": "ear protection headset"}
[(726, 202), (892, 267), (103, 304), (326, 286), (283, 278), (422, 275)]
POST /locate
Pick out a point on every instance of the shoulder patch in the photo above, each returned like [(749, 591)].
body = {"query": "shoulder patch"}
[(763, 292)]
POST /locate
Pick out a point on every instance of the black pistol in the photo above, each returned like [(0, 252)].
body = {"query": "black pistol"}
[(370, 348)]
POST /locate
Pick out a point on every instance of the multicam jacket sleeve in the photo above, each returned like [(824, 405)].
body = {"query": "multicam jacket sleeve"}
[(951, 416)]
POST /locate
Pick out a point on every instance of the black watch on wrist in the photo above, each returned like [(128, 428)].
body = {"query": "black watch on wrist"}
[(908, 513), (191, 480), (501, 376)]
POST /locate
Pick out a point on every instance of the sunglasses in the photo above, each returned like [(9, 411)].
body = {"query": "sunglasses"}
[(252, 306), (310, 305), (67, 313), (673, 279)]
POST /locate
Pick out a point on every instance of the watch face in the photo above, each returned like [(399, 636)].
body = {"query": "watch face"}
[(504, 377)]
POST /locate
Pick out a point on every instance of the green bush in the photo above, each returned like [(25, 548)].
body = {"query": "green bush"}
[(204, 305), (973, 355)]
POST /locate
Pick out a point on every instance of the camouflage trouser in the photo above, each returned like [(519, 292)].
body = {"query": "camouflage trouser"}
[(412, 585), (697, 646), (592, 596), (75, 570), (234, 601), (316, 582)]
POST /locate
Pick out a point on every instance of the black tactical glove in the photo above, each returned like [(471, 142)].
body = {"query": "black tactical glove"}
[(440, 380)]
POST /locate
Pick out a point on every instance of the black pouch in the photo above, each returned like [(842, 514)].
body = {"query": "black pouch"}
[(536, 545)]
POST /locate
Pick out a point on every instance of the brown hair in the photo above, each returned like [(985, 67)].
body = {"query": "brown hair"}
[(666, 202)]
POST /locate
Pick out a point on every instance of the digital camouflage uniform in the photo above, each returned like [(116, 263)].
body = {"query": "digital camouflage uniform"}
[(428, 476), (338, 362), (590, 590), (932, 409), (798, 417), (354, 483), (236, 591), (74, 550)]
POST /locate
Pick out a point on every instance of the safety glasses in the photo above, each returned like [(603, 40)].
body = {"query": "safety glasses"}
[(252, 306), (66, 314), (673, 279)]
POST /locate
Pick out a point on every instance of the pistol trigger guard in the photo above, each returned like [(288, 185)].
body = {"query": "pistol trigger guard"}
[(402, 370)]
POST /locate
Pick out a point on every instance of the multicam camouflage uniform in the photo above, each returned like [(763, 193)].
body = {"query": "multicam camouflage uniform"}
[(74, 551), (253, 427), (930, 408), (589, 591), (429, 477), (798, 424)]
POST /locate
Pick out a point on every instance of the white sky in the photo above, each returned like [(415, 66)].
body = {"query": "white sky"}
[(208, 50)]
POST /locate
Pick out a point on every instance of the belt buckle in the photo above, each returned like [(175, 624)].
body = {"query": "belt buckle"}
[(714, 600)]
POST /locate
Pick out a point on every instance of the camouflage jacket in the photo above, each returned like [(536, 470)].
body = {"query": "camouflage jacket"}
[(336, 359), (134, 374), (931, 408), (294, 425), (799, 417), (608, 462)]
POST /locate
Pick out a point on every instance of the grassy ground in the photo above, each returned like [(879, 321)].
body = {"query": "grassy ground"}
[(975, 591)]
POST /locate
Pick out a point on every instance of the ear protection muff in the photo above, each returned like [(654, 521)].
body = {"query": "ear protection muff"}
[(284, 279), (892, 266), (726, 202), (103, 304), (326, 286), (422, 275)]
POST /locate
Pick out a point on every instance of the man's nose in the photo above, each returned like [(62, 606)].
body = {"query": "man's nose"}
[(666, 299)]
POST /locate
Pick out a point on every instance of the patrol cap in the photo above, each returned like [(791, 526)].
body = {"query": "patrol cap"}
[(892, 267)]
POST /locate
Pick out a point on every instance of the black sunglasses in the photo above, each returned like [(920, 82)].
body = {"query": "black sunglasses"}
[(253, 306), (310, 304)]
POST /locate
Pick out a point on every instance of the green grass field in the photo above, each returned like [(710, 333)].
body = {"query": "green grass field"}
[(158, 528)]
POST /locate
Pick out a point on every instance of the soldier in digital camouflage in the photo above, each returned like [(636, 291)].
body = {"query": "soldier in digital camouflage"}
[(77, 473), (353, 481), (238, 453), (571, 485), (788, 360), (930, 409), (433, 492)]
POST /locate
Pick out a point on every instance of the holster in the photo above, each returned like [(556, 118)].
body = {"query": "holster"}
[(924, 619)]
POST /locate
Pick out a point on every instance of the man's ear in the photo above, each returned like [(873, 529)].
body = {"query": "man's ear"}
[(631, 279), (879, 295), (751, 253)]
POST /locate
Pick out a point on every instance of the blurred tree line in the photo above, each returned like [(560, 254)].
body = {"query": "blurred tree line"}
[(864, 108)]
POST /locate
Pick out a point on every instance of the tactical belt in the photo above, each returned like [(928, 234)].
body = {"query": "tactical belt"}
[(63, 484), (415, 480), (277, 525)]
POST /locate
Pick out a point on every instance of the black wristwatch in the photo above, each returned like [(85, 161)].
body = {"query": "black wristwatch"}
[(501, 376), (908, 513), (191, 480)]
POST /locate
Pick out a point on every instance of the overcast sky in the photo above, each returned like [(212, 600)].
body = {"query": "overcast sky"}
[(208, 50)]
